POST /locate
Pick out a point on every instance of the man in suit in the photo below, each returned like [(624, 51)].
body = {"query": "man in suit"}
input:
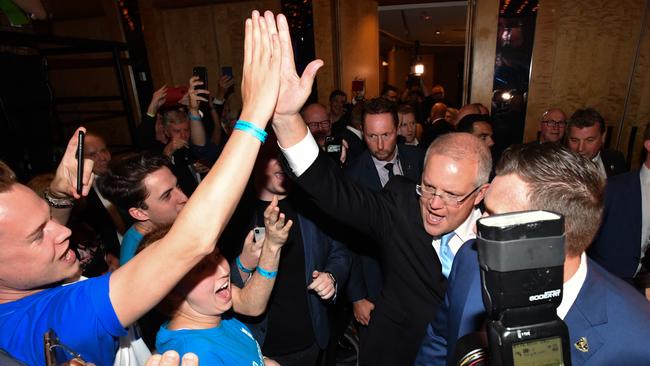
[(295, 327), (586, 135), (407, 227), (608, 321), (383, 159), (622, 241)]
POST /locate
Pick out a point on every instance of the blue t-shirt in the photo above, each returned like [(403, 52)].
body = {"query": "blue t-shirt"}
[(229, 344), (81, 314), (130, 242)]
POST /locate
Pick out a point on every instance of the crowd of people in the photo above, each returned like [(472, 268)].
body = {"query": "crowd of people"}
[(267, 238)]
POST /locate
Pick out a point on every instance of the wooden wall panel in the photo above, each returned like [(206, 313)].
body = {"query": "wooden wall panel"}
[(324, 27), (359, 44), (638, 108), (210, 35), (582, 56), (485, 40)]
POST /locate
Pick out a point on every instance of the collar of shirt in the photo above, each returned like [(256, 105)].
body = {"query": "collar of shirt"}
[(415, 142), (462, 233), (601, 166), (355, 131), (572, 287), (383, 173)]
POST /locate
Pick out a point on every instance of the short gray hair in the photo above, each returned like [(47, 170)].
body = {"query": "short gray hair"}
[(462, 146)]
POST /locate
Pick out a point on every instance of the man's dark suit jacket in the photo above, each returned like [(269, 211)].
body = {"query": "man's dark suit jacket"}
[(323, 254), (613, 161), (609, 314), (617, 246), (365, 280), (356, 145), (413, 285), (364, 172)]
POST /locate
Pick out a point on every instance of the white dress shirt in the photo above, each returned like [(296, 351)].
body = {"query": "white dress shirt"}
[(644, 175), (462, 233), (571, 288), (383, 172)]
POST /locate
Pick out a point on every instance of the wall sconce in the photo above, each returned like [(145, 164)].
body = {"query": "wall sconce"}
[(418, 69)]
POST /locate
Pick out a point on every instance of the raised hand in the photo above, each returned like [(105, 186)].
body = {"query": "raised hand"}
[(225, 82), (157, 100), (276, 229), (250, 254), (294, 89), (261, 75), (64, 184), (193, 94)]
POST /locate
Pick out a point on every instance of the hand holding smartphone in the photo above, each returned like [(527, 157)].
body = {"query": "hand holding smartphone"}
[(202, 73), (259, 233)]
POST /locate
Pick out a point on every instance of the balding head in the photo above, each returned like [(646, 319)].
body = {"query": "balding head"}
[(438, 111), (552, 125), (317, 119)]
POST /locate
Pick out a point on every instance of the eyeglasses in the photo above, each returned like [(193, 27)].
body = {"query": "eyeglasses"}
[(552, 123), (447, 198), (51, 343), (321, 124)]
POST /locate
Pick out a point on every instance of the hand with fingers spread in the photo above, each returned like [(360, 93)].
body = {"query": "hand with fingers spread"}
[(64, 184), (157, 101), (294, 89), (276, 229), (261, 74), (323, 284)]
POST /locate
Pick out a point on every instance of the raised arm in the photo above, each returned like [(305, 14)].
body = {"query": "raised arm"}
[(197, 131), (332, 193), (157, 269), (63, 187), (253, 297)]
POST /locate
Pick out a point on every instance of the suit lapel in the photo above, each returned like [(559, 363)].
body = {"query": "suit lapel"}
[(307, 234), (589, 311)]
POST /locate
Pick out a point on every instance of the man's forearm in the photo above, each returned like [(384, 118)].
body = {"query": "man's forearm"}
[(289, 129)]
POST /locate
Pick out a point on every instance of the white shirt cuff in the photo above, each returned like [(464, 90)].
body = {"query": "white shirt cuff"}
[(301, 155)]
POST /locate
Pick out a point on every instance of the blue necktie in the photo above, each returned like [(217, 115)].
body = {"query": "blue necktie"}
[(446, 255)]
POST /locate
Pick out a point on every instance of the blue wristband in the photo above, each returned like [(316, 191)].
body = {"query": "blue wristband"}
[(268, 274), (250, 128), (242, 268), (195, 118)]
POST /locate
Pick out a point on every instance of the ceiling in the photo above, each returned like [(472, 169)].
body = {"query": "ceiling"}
[(431, 23)]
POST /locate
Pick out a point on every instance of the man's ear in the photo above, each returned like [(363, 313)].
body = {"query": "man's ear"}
[(603, 137), (646, 145), (481, 193), (138, 214)]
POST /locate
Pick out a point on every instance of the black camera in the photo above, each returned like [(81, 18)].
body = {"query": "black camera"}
[(334, 147), (522, 273)]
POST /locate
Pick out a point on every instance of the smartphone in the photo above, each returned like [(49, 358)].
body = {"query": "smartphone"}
[(80, 161), (334, 147), (259, 233), (226, 71), (202, 73)]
